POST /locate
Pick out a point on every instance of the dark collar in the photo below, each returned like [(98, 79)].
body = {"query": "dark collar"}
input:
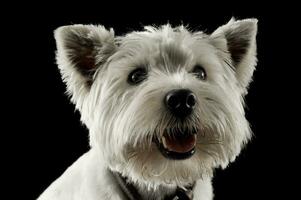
[(131, 193)]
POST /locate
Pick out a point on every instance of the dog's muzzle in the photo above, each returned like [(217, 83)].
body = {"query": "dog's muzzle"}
[(177, 143)]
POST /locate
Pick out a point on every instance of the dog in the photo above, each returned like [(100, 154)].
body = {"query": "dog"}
[(164, 108)]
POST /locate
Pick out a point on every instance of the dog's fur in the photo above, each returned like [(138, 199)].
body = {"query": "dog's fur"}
[(123, 118)]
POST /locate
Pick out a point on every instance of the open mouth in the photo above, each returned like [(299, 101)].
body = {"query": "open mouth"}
[(177, 146)]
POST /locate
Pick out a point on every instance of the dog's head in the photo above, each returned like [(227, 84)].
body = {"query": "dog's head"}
[(165, 105)]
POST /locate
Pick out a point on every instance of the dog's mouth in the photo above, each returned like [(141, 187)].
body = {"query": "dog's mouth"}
[(177, 146)]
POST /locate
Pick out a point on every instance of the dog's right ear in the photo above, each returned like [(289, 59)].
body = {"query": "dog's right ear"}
[(238, 38), (81, 50)]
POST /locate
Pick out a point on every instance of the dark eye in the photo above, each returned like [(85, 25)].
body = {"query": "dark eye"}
[(199, 72), (136, 76)]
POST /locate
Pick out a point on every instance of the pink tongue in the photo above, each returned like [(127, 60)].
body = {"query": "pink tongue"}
[(182, 145)]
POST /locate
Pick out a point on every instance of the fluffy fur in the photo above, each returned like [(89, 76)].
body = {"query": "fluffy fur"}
[(123, 119)]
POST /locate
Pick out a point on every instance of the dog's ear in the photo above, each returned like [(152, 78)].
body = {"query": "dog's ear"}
[(238, 38), (81, 50)]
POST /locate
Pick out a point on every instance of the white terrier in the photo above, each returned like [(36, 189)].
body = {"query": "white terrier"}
[(164, 108)]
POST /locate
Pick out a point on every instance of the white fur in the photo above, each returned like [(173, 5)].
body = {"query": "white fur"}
[(123, 118)]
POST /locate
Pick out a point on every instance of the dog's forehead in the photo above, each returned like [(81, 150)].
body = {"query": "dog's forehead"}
[(174, 46)]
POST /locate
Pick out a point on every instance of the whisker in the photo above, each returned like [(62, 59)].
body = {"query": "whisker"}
[(210, 143), (211, 154)]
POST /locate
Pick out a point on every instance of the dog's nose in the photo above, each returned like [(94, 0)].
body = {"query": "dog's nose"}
[(180, 102)]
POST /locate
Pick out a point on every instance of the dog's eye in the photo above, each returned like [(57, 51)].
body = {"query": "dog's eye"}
[(199, 72), (137, 76)]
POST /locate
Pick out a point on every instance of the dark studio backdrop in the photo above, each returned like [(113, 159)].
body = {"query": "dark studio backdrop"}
[(49, 136)]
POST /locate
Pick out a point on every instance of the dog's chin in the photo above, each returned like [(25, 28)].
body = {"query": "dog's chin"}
[(178, 145)]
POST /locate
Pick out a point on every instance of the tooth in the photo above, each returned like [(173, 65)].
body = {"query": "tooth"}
[(195, 138), (164, 142)]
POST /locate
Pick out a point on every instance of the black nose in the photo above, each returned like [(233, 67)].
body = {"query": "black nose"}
[(180, 102)]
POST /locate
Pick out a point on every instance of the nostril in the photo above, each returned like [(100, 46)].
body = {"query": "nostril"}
[(190, 100), (172, 101)]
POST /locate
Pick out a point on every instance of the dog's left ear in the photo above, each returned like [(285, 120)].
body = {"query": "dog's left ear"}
[(238, 38), (81, 51)]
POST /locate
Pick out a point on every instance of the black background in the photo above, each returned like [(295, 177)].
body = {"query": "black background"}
[(45, 132)]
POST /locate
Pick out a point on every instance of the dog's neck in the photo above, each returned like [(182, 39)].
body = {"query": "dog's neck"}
[(132, 192)]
